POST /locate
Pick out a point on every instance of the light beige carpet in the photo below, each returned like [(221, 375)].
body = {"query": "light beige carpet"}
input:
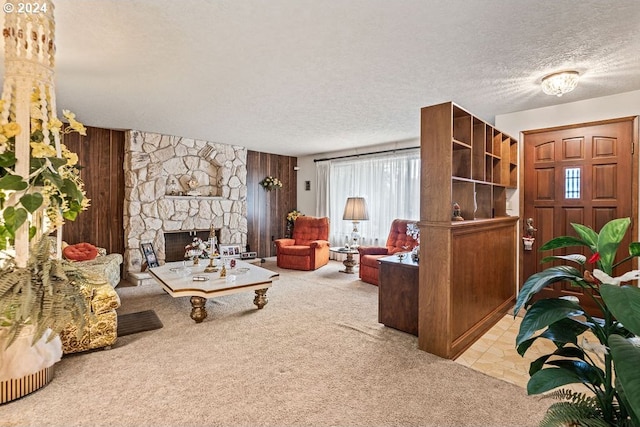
[(314, 356)]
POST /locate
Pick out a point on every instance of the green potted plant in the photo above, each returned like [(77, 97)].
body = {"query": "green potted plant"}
[(609, 369), (45, 295), (39, 295)]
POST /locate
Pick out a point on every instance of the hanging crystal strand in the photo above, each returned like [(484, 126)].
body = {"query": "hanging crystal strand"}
[(48, 95), (22, 165), (29, 60)]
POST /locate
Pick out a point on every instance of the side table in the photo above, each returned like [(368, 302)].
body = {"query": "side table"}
[(349, 262), (398, 293)]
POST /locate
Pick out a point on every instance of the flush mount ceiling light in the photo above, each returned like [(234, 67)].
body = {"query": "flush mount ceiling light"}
[(560, 83)]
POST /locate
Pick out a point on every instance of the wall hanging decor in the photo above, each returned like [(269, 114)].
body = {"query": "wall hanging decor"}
[(270, 183)]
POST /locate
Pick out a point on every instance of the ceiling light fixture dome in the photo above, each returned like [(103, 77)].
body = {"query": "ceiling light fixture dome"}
[(560, 83)]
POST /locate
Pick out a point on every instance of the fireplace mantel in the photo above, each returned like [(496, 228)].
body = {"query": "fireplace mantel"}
[(185, 197)]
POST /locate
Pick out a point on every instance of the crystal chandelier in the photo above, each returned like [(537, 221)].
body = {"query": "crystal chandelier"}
[(560, 83)]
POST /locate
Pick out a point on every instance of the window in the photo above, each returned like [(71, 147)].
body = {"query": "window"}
[(390, 184), (572, 183)]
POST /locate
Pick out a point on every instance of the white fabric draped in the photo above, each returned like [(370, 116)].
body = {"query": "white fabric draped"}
[(22, 358), (389, 182), (322, 198)]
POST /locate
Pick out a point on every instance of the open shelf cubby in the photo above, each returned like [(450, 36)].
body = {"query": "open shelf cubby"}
[(484, 162)]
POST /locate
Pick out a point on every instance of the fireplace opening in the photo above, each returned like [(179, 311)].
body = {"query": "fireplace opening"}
[(174, 242)]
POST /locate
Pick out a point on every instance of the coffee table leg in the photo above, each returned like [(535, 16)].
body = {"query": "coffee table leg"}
[(198, 312), (261, 298)]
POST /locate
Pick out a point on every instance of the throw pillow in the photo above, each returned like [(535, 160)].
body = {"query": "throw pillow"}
[(80, 252)]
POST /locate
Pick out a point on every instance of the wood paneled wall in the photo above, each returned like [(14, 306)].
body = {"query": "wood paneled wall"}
[(267, 210), (101, 153)]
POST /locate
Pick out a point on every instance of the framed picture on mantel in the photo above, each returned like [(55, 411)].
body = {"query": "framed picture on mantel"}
[(149, 255)]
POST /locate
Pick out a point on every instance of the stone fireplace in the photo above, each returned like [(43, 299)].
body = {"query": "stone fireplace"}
[(154, 205)]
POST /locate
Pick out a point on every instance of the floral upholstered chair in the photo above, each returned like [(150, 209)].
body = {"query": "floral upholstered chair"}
[(100, 327), (308, 247), (398, 241)]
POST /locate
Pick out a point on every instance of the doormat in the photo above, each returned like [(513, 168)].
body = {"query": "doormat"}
[(133, 323)]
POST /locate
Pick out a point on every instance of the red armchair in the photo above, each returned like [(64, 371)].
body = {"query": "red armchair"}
[(398, 241), (308, 248)]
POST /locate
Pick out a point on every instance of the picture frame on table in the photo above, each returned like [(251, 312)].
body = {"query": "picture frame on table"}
[(149, 254), (230, 251)]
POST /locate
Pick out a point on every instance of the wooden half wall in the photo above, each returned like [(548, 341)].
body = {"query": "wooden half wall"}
[(463, 299)]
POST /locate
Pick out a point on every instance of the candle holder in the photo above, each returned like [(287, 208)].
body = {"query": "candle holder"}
[(211, 268)]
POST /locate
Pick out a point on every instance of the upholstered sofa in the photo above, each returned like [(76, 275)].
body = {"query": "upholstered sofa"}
[(308, 249), (101, 325), (397, 241)]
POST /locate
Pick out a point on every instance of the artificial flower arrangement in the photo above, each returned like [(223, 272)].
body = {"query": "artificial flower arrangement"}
[(293, 215), (54, 176), (271, 183), (414, 231), (291, 219), (199, 248)]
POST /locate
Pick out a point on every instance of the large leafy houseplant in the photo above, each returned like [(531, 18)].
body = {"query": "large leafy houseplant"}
[(45, 294), (609, 369)]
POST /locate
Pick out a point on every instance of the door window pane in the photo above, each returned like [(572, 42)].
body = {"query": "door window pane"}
[(572, 183)]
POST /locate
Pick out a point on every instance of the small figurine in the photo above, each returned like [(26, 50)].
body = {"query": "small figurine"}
[(193, 183), (193, 186), (530, 229), (456, 213), (172, 188)]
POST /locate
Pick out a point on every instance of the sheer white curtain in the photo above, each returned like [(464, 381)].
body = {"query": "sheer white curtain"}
[(390, 183), (322, 198)]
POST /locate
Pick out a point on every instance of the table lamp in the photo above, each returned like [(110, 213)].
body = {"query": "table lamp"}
[(355, 210)]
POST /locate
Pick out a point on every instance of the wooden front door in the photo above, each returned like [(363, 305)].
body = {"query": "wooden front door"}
[(577, 174)]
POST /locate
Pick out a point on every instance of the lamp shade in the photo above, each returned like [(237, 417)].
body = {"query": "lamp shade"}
[(356, 209)]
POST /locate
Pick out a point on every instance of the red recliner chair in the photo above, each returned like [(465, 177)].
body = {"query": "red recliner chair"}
[(398, 241), (308, 248)]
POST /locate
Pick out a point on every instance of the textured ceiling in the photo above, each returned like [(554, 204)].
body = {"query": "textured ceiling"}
[(300, 77)]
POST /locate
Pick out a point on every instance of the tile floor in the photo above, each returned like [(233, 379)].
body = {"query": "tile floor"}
[(495, 353)]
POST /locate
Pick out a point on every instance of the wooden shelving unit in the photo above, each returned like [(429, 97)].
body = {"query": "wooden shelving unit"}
[(484, 162), (468, 268)]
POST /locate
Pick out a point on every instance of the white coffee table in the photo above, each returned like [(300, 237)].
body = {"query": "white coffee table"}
[(248, 277)]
